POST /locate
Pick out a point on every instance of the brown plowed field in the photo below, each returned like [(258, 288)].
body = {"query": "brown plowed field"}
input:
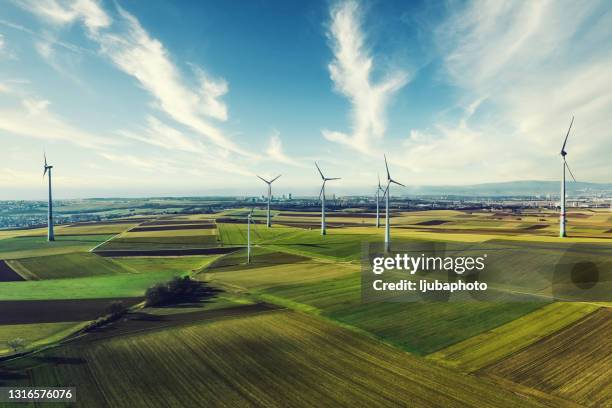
[(173, 227), (7, 274), (176, 222), (573, 363), (166, 252), (51, 311)]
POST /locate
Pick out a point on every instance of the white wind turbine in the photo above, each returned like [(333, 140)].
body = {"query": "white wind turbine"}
[(562, 216), (269, 183), (386, 194), (50, 234), (322, 197), (249, 220), (378, 190)]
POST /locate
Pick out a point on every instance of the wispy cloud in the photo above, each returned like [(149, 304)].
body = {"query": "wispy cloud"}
[(131, 49), (32, 116), (351, 71), (522, 70), (159, 134), (275, 151)]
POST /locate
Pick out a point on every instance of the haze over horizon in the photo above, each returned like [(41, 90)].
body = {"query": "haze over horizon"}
[(164, 98)]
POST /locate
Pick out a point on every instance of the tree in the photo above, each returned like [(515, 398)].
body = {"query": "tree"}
[(16, 344), (116, 309)]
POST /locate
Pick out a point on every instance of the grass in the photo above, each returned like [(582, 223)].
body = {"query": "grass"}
[(34, 334), (74, 265), (108, 286), (270, 359), (573, 363), (177, 265), (334, 290), (165, 241), (24, 247), (493, 345)]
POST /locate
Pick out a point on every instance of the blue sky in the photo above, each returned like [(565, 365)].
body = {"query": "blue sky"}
[(187, 98)]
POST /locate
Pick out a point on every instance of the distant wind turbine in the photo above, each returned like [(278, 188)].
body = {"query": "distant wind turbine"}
[(322, 197), (562, 217), (249, 218), (50, 234), (269, 183), (378, 190), (386, 195)]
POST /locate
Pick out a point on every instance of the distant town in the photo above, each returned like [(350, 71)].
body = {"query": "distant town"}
[(33, 214)]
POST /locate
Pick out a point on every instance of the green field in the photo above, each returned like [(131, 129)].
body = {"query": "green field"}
[(26, 246), (493, 345), (107, 286), (334, 290), (162, 241), (35, 333), (269, 359), (178, 265), (74, 265)]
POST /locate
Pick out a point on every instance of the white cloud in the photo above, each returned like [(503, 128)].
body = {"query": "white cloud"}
[(130, 47), (522, 70), (275, 151), (66, 12), (32, 117), (351, 71), (159, 134)]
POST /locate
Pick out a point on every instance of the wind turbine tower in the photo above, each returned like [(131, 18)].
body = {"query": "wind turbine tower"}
[(269, 183), (249, 236), (562, 215), (322, 197), (50, 234), (378, 190), (386, 195)]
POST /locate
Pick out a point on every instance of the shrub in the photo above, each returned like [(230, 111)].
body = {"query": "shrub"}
[(177, 290), (16, 344)]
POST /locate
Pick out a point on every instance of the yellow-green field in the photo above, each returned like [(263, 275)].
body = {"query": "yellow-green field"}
[(271, 359)]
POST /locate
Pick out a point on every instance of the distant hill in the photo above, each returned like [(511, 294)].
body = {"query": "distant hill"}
[(512, 188)]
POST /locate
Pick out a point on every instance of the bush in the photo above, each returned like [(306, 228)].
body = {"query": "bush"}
[(16, 344), (117, 309), (177, 290)]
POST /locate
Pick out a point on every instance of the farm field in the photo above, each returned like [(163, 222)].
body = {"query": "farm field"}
[(334, 290), (73, 265), (295, 304), (34, 333), (298, 358), (573, 363), (493, 345), (24, 247), (105, 286)]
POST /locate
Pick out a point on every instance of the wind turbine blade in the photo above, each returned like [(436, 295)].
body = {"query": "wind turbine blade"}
[(272, 181), (379, 182), (320, 172), (45, 172), (399, 184), (321, 192), (333, 178), (567, 135), (45, 156), (568, 169), (264, 180), (387, 167), (385, 191)]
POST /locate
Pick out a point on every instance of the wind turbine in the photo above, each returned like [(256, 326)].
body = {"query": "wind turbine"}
[(322, 197), (562, 217), (378, 190), (50, 234), (249, 236), (386, 195), (269, 183)]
